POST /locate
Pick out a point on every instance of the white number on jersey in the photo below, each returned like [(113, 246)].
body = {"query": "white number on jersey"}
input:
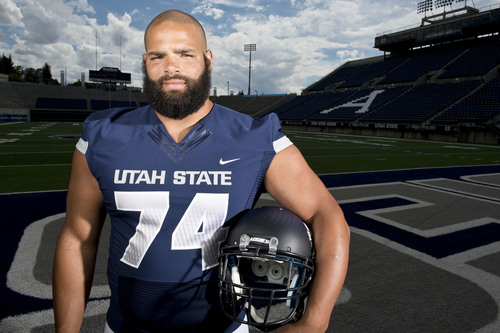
[(199, 227)]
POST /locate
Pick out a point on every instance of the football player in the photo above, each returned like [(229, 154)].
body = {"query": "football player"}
[(169, 175)]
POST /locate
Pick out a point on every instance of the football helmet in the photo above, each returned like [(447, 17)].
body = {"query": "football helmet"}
[(266, 265)]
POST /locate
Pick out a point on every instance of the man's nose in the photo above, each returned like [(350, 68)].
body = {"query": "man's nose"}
[(170, 65)]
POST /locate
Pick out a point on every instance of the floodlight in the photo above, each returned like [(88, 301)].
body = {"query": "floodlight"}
[(424, 6), (442, 3), (250, 47), (246, 48)]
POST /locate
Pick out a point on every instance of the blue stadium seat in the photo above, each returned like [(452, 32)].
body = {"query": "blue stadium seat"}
[(60, 103)]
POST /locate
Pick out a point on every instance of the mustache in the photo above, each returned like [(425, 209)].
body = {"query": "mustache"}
[(167, 77)]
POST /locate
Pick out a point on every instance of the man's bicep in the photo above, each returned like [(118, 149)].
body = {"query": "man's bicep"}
[(294, 184), (84, 206)]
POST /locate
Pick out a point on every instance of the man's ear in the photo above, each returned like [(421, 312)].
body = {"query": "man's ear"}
[(209, 56)]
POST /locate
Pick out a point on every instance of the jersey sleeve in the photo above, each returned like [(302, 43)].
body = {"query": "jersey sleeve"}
[(83, 143), (280, 140)]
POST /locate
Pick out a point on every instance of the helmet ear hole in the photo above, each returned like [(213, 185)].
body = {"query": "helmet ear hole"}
[(260, 268), (276, 272)]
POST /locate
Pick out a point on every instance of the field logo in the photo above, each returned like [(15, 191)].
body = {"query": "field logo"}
[(363, 103)]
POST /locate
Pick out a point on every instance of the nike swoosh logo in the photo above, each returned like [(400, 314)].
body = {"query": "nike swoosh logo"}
[(222, 162)]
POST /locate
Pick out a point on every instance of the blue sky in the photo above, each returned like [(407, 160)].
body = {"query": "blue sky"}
[(298, 41)]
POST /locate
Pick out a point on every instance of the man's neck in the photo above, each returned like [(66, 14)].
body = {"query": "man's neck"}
[(179, 128)]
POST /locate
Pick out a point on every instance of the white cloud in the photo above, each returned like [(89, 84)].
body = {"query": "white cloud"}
[(346, 55), (81, 6), (208, 10), (10, 14)]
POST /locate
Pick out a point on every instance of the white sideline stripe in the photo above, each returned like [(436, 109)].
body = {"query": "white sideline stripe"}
[(37, 152), (20, 277), (33, 165), (428, 183), (13, 123), (473, 180)]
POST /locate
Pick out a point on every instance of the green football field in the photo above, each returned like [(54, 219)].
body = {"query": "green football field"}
[(37, 156)]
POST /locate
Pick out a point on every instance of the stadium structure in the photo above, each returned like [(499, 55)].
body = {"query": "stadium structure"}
[(439, 80)]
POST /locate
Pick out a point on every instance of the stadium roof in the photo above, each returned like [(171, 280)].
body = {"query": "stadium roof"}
[(464, 23)]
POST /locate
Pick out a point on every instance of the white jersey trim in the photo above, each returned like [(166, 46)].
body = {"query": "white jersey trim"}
[(82, 146), (281, 144)]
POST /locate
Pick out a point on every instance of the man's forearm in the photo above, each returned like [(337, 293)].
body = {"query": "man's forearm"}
[(71, 283), (332, 256)]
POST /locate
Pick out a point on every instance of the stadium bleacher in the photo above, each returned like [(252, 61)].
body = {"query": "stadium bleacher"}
[(443, 81), (415, 106), (339, 75), (478, 60), (61, 103), (315, 104), (420, 64), (372, 71), (417, 101), (480, 106), (350, 111)]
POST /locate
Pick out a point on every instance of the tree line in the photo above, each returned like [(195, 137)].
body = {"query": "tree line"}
[(29, 74)]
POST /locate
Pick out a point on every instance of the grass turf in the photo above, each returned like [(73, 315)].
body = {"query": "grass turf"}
[(37, 156)]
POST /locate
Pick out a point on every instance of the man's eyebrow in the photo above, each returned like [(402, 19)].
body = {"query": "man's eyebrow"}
[(179, 51), (185, 51), (155, 53)]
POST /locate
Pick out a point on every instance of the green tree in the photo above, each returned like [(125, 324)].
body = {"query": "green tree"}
[(47, 73), (17, 74), (31, 75), (6, 65)]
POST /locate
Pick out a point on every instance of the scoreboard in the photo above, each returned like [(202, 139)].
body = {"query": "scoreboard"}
[(109, 75)]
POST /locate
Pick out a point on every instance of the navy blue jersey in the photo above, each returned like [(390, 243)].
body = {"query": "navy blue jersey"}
[(167, 202)]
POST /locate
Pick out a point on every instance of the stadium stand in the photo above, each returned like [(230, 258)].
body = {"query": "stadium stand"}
[(468, 64), (350, 111), (480, 106), (415, 106), (60, 103), (439, 81), (420, 64), (372, 71), (335, 78), (254, 106), (316, 103)]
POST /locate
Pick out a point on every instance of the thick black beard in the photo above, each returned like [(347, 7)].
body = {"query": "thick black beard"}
[(175, 104)]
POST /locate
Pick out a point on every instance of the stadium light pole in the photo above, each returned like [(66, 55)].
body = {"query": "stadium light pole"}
[(246, 48)]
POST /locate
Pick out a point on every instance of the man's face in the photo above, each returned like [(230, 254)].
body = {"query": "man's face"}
[(176, 69), (177, 103)]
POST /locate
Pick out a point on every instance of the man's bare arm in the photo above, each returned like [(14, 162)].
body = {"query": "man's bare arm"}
[(76, 248), (294, 185)]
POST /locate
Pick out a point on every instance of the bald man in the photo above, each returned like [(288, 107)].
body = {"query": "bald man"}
[(157, 171)]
